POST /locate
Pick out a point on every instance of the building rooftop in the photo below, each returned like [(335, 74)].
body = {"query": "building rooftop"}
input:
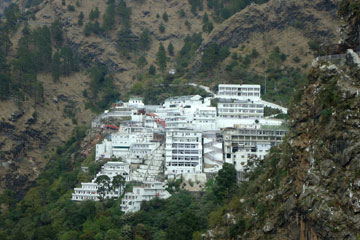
[(183, 98)]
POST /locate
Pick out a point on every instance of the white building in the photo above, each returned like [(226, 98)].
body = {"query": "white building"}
[(136, 102), (183, 152), (240, 109), (119, 144), (204, 118), (240, 92), (245, 141), (88, 191), (183, 101), (147, 191)]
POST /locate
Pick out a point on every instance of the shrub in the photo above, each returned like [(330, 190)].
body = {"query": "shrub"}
[(71, 8)]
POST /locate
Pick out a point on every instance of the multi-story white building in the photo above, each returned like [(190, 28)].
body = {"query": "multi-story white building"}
[(241, 92), (147, 191), (245, 141), (240, 109), (88, 191), (204, 118), (176, 119), (183, 152), (119, 144)]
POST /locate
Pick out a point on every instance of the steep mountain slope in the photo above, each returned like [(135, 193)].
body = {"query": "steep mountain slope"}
[(290, 25), (31, 131), (309, 187)]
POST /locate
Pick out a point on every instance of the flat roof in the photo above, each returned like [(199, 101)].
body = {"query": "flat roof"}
[(239, 85)]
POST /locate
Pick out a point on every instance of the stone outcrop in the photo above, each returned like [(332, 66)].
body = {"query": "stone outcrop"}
[(310, 186)]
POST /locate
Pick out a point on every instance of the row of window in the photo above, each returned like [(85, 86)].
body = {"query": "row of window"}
[(260, 132), (181, 164), (237, 89), (240, 94), (241, 110), (239, 105), (238, 116), (184, 145), (186, 158), (185, 151), (184, 140)]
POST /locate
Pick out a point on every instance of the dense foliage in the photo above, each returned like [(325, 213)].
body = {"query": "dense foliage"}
[(101, 91)]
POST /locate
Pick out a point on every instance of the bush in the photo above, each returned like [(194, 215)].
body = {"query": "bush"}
[(165, 17), (71, 8), (237, 228), (162, 28)]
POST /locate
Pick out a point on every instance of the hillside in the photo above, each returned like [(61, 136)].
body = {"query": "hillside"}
[(306, 188), (32, 129)]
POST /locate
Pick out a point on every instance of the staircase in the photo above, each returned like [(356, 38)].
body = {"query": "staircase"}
[(210, 150), (152, 167)]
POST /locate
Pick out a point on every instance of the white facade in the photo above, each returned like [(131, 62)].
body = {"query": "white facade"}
[(183, 101), (204, 118), (120, 144), (241, 92), (136, 102), (240, 109), (183, 152), (147, 191), (246, 141), (88, 191)]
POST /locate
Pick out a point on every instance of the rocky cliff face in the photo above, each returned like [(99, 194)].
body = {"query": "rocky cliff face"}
[(308, 188)]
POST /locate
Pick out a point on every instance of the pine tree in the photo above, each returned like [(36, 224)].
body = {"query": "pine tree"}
[(56, 67), (152, 70), (145, 40), (161, 58), (81, 19), (171, 49)]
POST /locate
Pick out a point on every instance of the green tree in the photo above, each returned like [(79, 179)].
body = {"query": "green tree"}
[(152, 70), (109, 17), (171, 49), (68, 60), (225, 183), (81, 19), (112, 234), (137, 88), (71, 8), (145, 40), (56, 65), (124, 12), (141, 62), (161, 58), (12, 14), (182, 13), (162, 28), (94, 14), (127, 41), (207, 24), (104, 188), (165, 16), (57, 32), (118, 183), (70, 235)]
